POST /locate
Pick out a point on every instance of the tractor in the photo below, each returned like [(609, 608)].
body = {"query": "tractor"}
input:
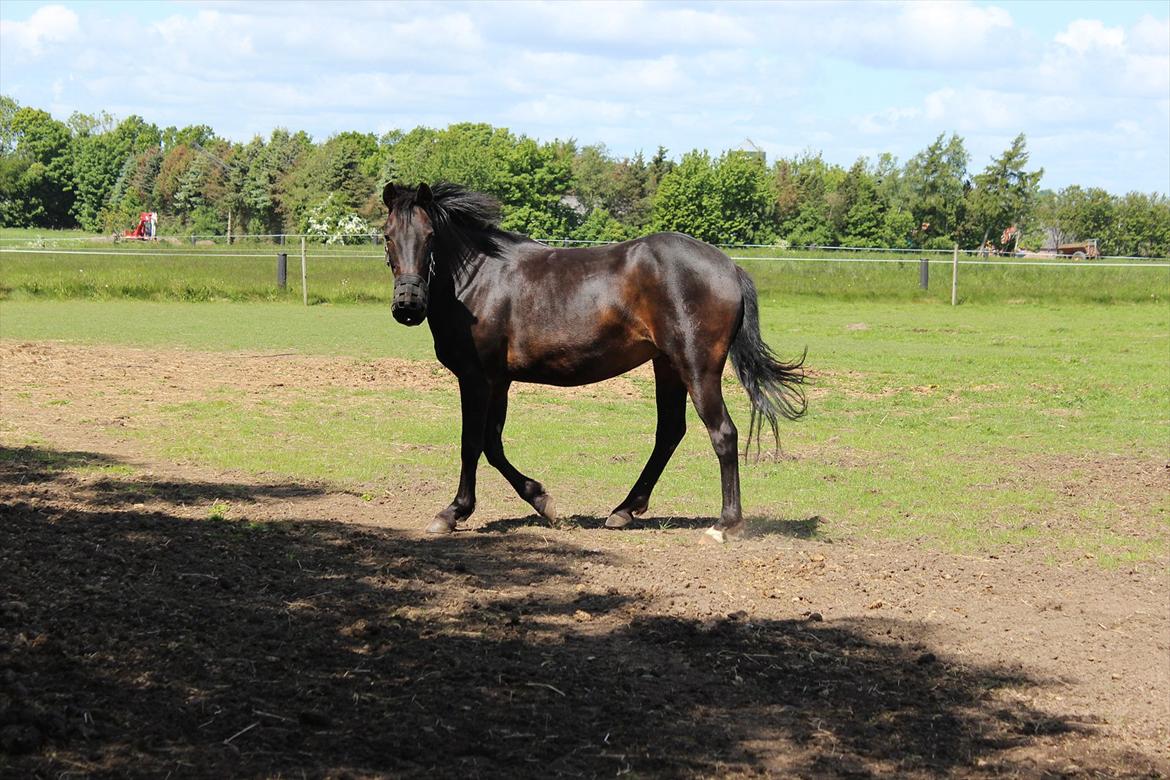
[(147, 228)]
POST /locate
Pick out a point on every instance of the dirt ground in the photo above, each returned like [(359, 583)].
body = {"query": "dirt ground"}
[(310, 632)]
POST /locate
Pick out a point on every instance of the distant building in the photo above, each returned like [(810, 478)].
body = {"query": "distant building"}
[(749, 147)]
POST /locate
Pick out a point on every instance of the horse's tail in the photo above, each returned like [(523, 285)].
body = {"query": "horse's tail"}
[(774, 387)]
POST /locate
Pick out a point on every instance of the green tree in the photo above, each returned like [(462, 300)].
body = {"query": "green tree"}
[(855, 212), (633, 203), (338, 168), (539, 178), (622, 189), (600, 225), (35, 180), (720, 201), (659, 166), (1082, 214), (744, 199), (99, 160), (803, 188), (133, 192), (8, 136), (191, 135), (269, 169), (593, 177), (1004, 194), (1140, 227), (686, 200), (530, 179), (934, 184)]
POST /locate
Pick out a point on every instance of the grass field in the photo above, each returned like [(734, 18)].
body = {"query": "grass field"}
[(64, 268), (966, 426)]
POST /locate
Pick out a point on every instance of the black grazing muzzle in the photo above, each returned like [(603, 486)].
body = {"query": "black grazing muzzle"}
[(410, 299), (411, 292)]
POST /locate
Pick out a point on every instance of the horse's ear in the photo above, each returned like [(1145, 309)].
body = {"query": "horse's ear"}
[(388, 193), (424, 195)]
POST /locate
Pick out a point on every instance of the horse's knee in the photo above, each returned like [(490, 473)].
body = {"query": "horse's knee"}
[(725, 438)]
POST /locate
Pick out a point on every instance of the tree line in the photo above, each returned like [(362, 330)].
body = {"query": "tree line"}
[(97, 173)]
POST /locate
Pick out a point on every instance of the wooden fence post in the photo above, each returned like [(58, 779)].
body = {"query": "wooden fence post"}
[(955, 278), (304, 275)]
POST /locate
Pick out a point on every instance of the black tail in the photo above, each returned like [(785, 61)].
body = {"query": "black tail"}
[(773, 386)]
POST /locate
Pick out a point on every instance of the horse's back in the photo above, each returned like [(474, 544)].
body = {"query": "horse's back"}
[(654, 256)]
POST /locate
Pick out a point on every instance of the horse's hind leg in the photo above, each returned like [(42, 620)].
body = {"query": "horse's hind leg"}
[(529, 489), (707, 394), (671, 397)]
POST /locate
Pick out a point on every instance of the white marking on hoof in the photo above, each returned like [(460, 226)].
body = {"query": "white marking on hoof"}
[(617, 521), (546, 508), (715, 534)]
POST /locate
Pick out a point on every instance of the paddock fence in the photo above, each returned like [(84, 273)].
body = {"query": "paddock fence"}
[(252, 267)]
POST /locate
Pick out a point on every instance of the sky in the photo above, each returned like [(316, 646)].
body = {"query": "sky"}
[(1087, 82)]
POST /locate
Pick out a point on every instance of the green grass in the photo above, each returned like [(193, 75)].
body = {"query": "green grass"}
[(246, 271), (364, 331), (1011, 282), (957, 425)]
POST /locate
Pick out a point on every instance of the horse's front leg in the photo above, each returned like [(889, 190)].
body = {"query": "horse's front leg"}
[(527, 488), (473, 398)]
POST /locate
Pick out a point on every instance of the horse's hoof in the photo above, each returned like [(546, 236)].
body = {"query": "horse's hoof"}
[(723, 533), (545, 507), (441, 525), (619, 519)]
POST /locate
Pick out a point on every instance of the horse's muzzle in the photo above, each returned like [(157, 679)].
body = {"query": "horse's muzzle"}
[(410, 299)]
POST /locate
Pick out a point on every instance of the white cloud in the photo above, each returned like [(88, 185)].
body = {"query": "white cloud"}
[(913, 35), (1150, 36), (52, 24), (1093, 61), (1087, 35), (881, 122), (837, 76), (638, 23)]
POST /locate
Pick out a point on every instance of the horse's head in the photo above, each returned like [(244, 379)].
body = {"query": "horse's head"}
[(409, 233)]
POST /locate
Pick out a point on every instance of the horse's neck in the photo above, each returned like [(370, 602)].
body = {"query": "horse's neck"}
[(464, 260)]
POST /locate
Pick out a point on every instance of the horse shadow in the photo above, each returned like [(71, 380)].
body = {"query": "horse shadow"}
[(758, 526)]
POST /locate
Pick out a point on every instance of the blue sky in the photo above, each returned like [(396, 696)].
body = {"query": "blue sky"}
[(1088, 82)]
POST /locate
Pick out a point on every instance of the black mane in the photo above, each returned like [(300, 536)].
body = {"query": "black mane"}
[(464, 221)]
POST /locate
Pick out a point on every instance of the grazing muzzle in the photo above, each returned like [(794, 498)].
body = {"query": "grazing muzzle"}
[(410, 299)]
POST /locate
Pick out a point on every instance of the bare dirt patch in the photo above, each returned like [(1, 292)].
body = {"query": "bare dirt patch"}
[(74, 370), (164, 618)]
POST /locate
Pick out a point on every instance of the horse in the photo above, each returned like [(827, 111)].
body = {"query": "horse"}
[(505, 308)]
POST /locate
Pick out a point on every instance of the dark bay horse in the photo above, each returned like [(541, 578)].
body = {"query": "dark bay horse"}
[(503, 308)]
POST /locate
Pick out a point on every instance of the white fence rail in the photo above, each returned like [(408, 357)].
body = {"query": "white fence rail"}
[(279, 239), (1110, 262)]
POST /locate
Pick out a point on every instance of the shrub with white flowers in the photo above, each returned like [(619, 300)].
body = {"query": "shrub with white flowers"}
[(331, 220)]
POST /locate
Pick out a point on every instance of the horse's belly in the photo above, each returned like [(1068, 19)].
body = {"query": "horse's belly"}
[(575, 363)]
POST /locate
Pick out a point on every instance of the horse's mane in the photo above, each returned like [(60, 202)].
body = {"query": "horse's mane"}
[(463, 220)]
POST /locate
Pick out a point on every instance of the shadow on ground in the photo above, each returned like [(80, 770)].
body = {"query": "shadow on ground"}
[(756, 526), (138, 643)]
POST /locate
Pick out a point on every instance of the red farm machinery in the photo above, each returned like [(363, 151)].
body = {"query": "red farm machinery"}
[(147, 228)]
